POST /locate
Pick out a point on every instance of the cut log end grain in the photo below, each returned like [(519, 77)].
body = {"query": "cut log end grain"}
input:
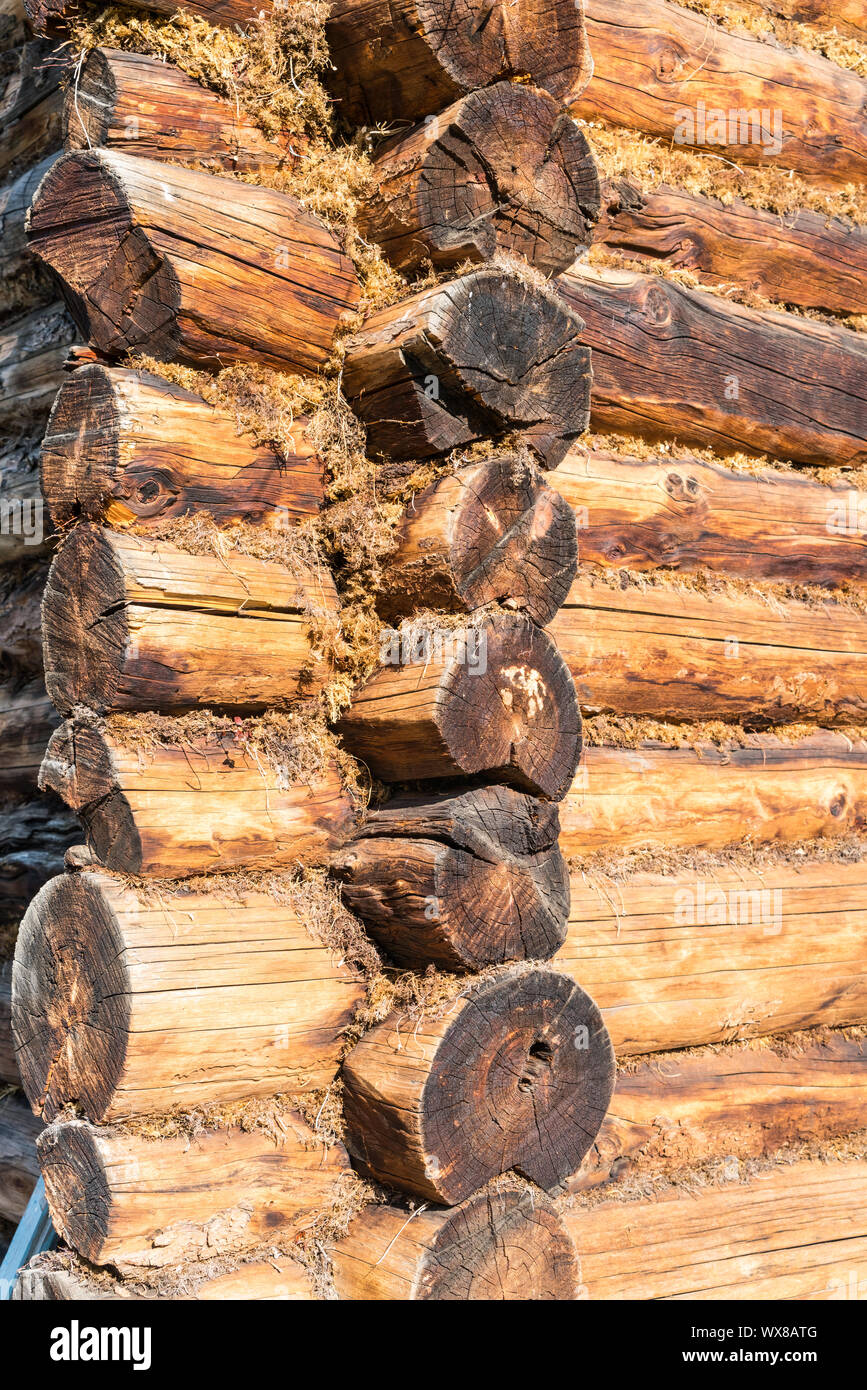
[(404, 60), (460, 881), (477, 358), (146, 251), (125, 1002), (130, 448), (496, 699), (135, 624), (508, 1245), (501, 169), (516, 1075), (495, 533)]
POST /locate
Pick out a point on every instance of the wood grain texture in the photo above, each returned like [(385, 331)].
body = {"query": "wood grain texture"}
[(128, 1004), (179, 264), (19, 1168), (480, 356), (34, 837), (681, 513), (517, 1073), (142, 1204), (505, 1246), (705, 797), (673, 362), (130, 623), (404, 60), (24, 283), (280, 1278), (497, 700), (131, 448), (461, 880), (801, 258), (25, 527), (8, 1064), (27, 721), (149, 108), (21, 620), (205, 806), (797, 1232), (680, 654), (701, 957), (492, 533), (30, 105), (14, 28), (33, 349), (502, 169), (654, 61), (679, 1109)]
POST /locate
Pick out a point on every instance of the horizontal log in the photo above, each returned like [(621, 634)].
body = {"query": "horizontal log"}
[(19, 1168), (401, 62), (460, 880), (8, 1064), (109, 1008), (279, 1278), (27, 721), (761, 104), (146, 251), (206, 805), (670, 361), (24, 283), (797, 1232), (502, 169), (33, 349), (507, 1246), (846, 15), (31, 102), (707, 797), (130, 623), (672, 653), (146, 107), (142, 1204), (34, 837), (677, 1110), (21, 619), (705, 956), (682, 513), (130, 448), (802, 258), (516, 1074), (25, 529), (492, 533), (483, 355), (495, 699)]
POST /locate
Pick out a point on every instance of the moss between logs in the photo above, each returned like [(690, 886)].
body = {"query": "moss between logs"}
[(756, 22), (606, 868)]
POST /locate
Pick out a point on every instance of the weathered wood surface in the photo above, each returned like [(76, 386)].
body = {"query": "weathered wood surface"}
[(655, 61), (125, 1003), (201, 806), (679, 1109), (30, 105), (34, 837), (14, 28), (492, 533), (672, 653), (801, 258), (27, 721), (848, 16), (130, 623), (19, 1168), (483, 355), (682, 513), (180, 264), (146, 107), (24, 283), (495, 698), (25, 528), (131, 448), (8, 1064), (674, 362), (21, 619), (67, 1281), (403, 61), (705, 797), (142, 1204), (33, 349), (505, 1246), (502, 169), (796, 1232), (517, 1073), (460, 880), (705, 956)]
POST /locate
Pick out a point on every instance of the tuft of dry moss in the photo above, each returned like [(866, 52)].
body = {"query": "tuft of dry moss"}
[(608, 866)]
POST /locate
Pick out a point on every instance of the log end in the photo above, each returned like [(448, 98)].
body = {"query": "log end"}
[(80, 448), (69, 984), (84, 627), (78, 766), (76, 1186)]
